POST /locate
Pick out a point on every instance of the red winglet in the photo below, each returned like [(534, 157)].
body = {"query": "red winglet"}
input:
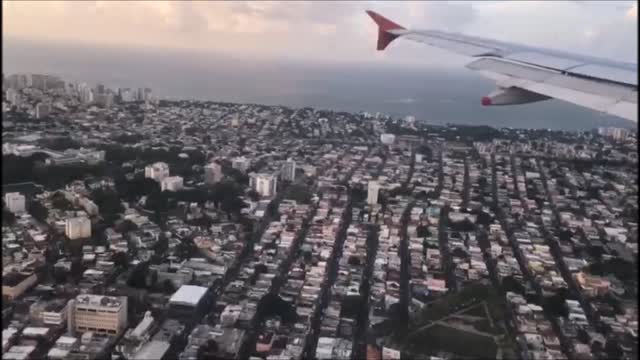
[(384, 25)]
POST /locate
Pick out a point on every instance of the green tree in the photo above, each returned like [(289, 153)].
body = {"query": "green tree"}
[(232, 205), (8, 217)]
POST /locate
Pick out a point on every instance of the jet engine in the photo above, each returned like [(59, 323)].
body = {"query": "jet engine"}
[(512, 96)]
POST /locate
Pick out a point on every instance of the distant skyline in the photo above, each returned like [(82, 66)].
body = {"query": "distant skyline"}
[(324, 32), (434, 95), (319, 54)]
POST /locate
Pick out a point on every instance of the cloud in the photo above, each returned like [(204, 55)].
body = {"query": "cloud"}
[(326, 31), (442, 15), (632, 13), (617, 38), (590, 27)]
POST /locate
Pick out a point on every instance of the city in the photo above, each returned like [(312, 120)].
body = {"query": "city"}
[(140, 228)]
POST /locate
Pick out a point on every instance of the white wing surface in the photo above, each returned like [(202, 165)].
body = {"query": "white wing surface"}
[(527, 74)]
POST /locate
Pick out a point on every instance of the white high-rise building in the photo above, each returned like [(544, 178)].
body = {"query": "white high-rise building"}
[(288, 172), (212, 173), (241, 163), (13, 97), (15, 202), (78, 228), (171, 183), (372, 193), (617, 134), (126, 95), (264, 184), (86, 93), (157, 171)]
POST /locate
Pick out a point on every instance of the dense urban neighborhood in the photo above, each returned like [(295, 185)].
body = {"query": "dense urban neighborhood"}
[(141, 228)]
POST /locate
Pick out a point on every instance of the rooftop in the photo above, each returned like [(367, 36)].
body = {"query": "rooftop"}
[(152, 350), (98, 300), (188, 295), (14, 278)]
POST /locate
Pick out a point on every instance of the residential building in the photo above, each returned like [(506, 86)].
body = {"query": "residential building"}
[(157, 171), (387, 139), (126, 95), (212, 173), (42, 110), (373, 189), (171, 183), (78, 228), (13, 97), (241, 163), (15, 284), (263, 184), (288, 172), (104, 99), (86, 93), (617, 134), (53, 312), (15, 202)]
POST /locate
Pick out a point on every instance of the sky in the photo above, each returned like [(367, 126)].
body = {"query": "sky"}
[(324, 32)]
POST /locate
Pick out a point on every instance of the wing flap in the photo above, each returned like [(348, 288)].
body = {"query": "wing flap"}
[(544, 60), (511, 69), (621, 108), (607, 72)]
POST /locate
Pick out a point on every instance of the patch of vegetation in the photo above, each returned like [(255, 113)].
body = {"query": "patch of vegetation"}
[(298, 193), (450, 303), (444, 338), (475, 311)]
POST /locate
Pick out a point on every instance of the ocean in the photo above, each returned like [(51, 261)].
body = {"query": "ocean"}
[(436, 96)]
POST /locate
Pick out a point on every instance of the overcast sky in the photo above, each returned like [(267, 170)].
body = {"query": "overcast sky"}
[(325, 31)]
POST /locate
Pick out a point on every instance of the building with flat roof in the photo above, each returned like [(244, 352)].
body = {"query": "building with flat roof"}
[(19, 352), (15, 202), (78, 228), (188, 302), (15, 284), (98, 313), (188, 295), (387, 139), (373, 188), (52, 312), (288, 172), (263, 184), (172, 183), (153, 350), (241, 163), (212, 173), (42, 110), (157, 171)]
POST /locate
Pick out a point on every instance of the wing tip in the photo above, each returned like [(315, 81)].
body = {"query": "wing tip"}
[(383, 23), (384, 26)]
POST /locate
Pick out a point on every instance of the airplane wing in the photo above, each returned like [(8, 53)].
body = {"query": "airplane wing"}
[(525, 74)]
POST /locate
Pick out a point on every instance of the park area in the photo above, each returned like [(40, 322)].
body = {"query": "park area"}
[(467, 323)]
